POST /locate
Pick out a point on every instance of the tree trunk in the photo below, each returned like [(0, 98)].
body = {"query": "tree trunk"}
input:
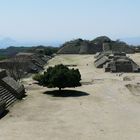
[(60, 89)]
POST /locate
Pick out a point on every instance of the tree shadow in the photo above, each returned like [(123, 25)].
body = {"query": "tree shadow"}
[(4, 114), (66, 93)]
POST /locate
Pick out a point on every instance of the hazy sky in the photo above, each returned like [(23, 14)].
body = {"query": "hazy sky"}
[(68, 19)]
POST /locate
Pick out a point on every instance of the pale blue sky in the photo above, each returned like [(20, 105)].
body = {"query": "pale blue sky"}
[(60, 20)]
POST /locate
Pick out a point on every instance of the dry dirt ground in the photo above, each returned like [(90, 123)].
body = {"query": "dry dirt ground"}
[(110, 109)]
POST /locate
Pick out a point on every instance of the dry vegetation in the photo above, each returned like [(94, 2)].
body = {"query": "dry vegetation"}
[(107, 108)]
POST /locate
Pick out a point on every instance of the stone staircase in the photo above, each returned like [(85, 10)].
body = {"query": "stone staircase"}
[(7, 96)]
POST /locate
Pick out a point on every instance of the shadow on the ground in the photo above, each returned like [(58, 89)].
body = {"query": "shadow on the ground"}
[(4, 114), (66, 93)]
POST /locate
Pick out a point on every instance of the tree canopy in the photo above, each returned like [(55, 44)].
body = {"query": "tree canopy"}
[(59, 76)]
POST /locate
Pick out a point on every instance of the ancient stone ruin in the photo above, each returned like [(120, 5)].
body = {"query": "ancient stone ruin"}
[(10, 91), (115, 62), (24, 63)]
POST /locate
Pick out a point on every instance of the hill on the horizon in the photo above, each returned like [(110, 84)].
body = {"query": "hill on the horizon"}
[(80, 46), (13, 50)]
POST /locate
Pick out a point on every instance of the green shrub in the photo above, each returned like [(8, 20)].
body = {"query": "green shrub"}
[(59, 76), (38, 77)]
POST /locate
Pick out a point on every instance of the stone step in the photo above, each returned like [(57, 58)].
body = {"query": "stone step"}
[(10, 102), (4, 94), (8, 97), (2, 90)]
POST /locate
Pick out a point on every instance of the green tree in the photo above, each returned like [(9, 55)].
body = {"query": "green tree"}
[(60, 76)]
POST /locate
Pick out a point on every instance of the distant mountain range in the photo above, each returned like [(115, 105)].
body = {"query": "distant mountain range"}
[(6, 42)]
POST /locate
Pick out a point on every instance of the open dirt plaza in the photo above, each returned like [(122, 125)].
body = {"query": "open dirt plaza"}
[(109, 109)]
